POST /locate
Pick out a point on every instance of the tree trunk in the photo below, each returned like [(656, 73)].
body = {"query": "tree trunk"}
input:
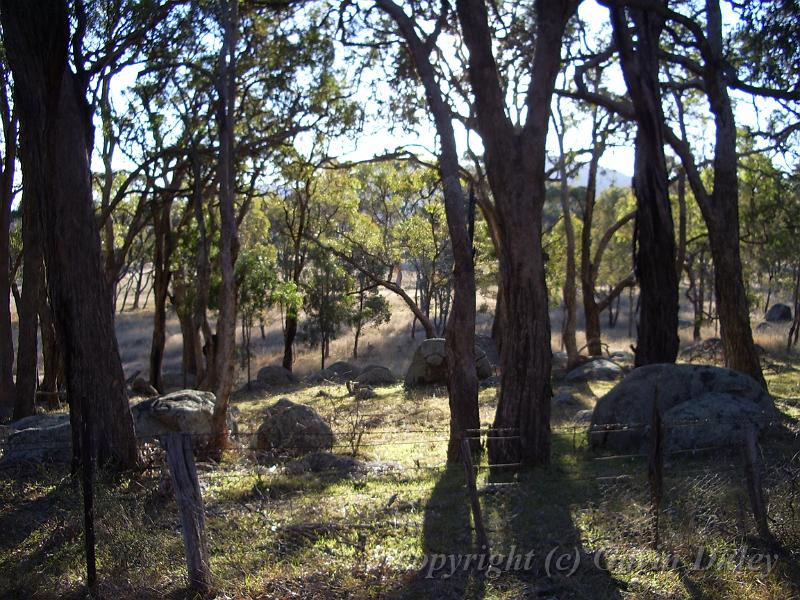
[(225, 347), (56, 144), (591, 311), (720, 208), (7, 387), (32, 284), (161, 258), (654, 238), (515, 165), (680, 258), (51, 356), (462, 379), (289, 333), (723, 227), (569, 291)]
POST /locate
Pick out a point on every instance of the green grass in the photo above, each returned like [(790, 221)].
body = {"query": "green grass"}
[(277, 535)]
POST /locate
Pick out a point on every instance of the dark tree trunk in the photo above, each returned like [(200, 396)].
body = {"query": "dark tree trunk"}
[(591, 311), (225, 359), (289, 333), (720, 207), (32, 284), (51, 356), (723, 226), (569, 291), (7, 388), (515, 166), (55, 126), (161, 276), (680, 258), (654, 238)]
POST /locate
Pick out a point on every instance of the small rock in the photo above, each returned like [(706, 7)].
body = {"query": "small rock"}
[(376, 375), (598, 369), (429, 364), (37, 439), (365, 393), (276, 375), (293, 429), (778, 313)]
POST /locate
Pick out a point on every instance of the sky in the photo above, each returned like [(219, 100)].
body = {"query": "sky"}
[(377, 139)]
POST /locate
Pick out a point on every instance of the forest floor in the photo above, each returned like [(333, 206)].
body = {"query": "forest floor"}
[(401, 528)]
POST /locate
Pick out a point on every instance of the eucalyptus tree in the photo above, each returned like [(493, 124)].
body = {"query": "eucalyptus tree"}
[(8, 117), (654, 240), (398, 220), (514, 158), (515, 166), (50, 97)]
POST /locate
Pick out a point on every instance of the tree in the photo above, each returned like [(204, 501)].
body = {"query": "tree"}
[(570, 274), (55, 149), (720, 203), (9, 122), (371, 309), (515, 165), (327, 304), (654, 239)]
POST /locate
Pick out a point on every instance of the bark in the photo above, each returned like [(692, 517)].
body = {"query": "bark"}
[(183, 309), (462, 379), (56, 145), (720, 207), (32, 284), (161, 277), (225, 347), (203, 276), (515, 166), (680, 257), (52, 361), (289, 333), (588, 270), (654, 237), (7, 387), (569, 291)]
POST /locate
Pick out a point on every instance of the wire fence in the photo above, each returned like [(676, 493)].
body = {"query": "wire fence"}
[(292, 521)]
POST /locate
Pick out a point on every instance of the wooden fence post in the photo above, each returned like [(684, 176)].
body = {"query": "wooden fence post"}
[(655, 467), (755, 489), (183, 473), (472, 489)]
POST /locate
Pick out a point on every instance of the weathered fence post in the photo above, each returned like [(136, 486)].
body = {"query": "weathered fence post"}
[(183, 473), (472, 489), (755, 489), (655, 466)]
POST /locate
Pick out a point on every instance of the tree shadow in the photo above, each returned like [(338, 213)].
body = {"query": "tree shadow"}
[(535, 547), (447, 538)]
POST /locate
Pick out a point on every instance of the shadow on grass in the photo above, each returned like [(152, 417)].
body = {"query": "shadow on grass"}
[(530, 527)]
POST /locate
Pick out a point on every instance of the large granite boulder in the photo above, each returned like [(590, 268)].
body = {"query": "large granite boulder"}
[(293, 429), (376, 375), (598, 369), (778, 313), (275, 375), (429, 364), (701, 406), (184, 411), (38, 439)]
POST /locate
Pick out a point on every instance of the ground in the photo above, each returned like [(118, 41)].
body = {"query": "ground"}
[(580, 528)]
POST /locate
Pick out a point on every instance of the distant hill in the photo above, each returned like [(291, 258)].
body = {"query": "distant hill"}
[(606, 178)]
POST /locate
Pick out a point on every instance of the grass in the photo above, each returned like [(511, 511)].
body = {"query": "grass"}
[(332, 535)]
